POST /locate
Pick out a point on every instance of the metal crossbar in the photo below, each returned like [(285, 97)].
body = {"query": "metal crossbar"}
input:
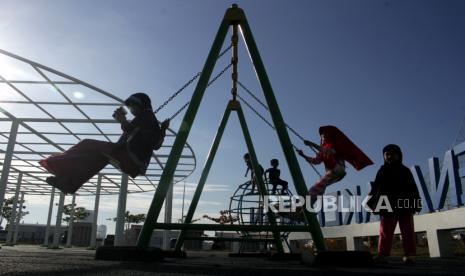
[(230, 227)]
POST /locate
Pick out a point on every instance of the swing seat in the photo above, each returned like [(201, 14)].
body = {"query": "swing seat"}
[(120, 160)]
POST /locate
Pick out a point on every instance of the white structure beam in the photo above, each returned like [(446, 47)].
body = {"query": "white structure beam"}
[(121, 211)]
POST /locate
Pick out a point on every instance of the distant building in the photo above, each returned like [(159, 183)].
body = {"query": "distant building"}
[(35, 233), (89, 218), (132, 234), (224, 245), (29, 233), (82, 232)]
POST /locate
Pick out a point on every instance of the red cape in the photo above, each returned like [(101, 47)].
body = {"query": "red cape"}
[(346, 148)]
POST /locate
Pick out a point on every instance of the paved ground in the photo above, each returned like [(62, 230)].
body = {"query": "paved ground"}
[(34, 260)]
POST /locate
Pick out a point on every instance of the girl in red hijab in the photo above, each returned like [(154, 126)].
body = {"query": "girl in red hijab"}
[(334, 149)]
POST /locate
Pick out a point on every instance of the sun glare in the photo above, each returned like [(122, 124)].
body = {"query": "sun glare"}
[(78, 95), (11, 71)]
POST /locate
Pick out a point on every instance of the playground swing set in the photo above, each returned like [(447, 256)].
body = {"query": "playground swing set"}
[(234, 18)]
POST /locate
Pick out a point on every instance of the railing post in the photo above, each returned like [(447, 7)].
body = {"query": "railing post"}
[(69, 237), (7, 160), (93, 237), (49, 218), (121, 212), (11, 223), (57, 233)]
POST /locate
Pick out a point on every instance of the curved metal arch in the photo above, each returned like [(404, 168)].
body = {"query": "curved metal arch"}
[(46, 78)]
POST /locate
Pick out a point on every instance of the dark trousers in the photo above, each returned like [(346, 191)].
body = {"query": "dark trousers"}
[(281, 182), (82, 161)]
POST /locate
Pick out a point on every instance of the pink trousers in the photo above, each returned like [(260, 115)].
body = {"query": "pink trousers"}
[(386, 234), (330, 177)]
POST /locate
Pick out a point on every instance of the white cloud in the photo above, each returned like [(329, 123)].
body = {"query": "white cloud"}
[(217, 188), (210, 203), (187, 202), (191, 187)]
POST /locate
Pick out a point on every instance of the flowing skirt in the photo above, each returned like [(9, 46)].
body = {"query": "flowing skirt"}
[(81, 162)]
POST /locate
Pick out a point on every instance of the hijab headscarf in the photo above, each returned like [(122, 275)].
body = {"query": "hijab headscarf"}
[(394, 149), (345, 148), (140, 100)]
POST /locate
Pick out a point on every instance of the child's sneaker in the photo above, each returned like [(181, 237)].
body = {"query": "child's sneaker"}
[(409, 260)]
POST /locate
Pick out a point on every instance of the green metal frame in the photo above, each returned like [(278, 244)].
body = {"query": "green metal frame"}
[(256, 168), (233, 16), (232, 106), (204, 175), (231, 227)]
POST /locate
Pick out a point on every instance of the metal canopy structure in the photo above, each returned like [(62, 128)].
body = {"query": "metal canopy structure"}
[(44, 111)]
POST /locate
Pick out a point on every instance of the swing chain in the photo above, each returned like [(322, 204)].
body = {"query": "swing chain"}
[(186, 85), (177, 93), (255, 111), (269, 124), (219, 74), (252, 95), (179, 111), (224, 51), (266, 107), (210, 83)]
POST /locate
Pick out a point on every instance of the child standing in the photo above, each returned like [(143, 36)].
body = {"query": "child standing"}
[(395, 182), (253, 175), (274, 177)]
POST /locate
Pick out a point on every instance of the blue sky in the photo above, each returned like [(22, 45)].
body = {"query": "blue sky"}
[(382, 71)]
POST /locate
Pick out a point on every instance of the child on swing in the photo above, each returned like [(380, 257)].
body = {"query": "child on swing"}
[(131, 153), (334, 149)]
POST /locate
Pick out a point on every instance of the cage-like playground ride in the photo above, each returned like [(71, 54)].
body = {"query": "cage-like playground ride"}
[(248, 207)]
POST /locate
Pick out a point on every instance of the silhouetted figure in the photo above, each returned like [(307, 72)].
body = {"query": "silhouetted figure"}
[(253, 175), (131, 154), (395, 183), (334, 149), (274, 177)]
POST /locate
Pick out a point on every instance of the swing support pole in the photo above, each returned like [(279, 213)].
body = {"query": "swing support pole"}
[(181, 138), (233, 105), (204, 175), (261, 185), (278, 121)]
